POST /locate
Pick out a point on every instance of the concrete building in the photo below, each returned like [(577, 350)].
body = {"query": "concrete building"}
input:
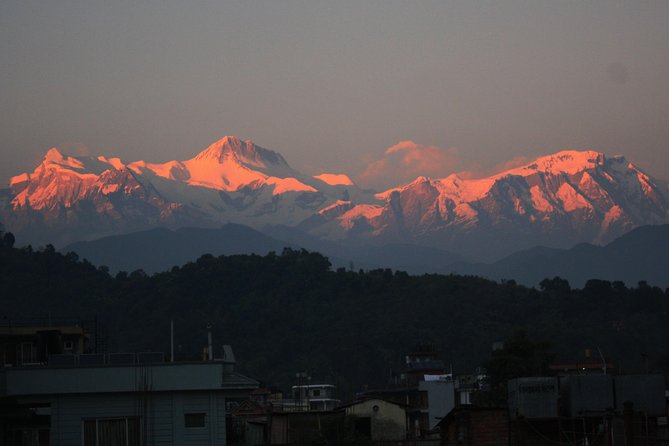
[(29, 345), (308, 397), (475, 426), (135, 403), (591, 409), (440, 399), (317, 397), (534, 397), (424, 388), (378, 419)]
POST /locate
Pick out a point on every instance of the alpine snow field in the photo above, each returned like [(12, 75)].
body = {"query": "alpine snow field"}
[(557, 201)]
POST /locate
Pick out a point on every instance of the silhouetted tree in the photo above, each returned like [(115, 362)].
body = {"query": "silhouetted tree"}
[(289, 311), (598, 289), (520, 356), (7, 239), (556, 284)]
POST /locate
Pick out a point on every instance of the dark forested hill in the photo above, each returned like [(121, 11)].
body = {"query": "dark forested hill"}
[(640, 255), (289, 312), (161, 248)]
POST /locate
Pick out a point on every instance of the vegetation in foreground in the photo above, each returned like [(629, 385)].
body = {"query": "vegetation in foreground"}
[(290, 312)]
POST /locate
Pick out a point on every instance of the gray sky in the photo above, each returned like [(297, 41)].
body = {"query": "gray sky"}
[(467, 85)]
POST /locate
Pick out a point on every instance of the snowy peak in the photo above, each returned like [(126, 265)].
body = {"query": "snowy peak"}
[(231, 148), (567, 197), (559, 199), (227, 165), (230, 164), (569, 162), (55, 160), (57, 169), (335, 179), (53, 155), (417, 183)]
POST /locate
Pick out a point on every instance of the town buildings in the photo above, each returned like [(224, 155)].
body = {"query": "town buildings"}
[(378, 420), (123, 399)]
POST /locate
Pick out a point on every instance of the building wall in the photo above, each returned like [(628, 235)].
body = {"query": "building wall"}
[(388, 421), (493, 428), (278, 429), (441, 400), (484, 427), (161, 416), (116, 378), (587, 393), (533, 397)]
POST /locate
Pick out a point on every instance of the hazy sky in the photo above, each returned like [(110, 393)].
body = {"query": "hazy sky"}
[(370, 88)]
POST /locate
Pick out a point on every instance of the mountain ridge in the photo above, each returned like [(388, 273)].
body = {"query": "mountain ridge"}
[(641, 255), (159, 249), (556, 200)]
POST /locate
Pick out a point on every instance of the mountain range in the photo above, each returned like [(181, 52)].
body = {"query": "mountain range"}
[(640, 255), (556, 201), (159, 249)]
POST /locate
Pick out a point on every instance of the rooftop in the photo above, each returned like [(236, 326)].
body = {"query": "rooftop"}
[(113, 378)]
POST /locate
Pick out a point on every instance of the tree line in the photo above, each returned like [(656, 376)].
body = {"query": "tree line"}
[(290, 311)]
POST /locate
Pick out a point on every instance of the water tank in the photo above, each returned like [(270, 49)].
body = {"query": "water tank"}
[(535, 397), (646, 392), (587, 394)]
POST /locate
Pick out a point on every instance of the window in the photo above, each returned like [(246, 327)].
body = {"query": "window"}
[(10, 354), (363, 426), (123, 431), (317, 392), (194, 420), (27, 353)]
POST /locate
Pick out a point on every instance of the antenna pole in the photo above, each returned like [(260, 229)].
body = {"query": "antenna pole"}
[(210, 350), (603, 360), (172, 340)]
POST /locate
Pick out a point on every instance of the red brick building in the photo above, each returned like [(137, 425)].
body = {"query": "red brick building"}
[(475, 426)]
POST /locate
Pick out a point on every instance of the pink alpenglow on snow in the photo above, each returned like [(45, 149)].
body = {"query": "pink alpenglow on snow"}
[(568, 161), (361, 211), (570, 195), (334, 179), (283, 185), (226, 165)]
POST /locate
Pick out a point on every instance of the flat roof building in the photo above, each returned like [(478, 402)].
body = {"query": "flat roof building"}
[(139, 402)]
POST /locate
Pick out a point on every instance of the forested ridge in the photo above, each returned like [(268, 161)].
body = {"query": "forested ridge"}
[(288, 312)]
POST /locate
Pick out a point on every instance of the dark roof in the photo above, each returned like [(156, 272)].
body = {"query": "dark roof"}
[(581, 365), (261, 391), (248, 407), (459, 409), (364, 400)]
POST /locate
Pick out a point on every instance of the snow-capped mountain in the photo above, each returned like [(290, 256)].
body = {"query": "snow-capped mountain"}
[(70, 198), (557, 200)]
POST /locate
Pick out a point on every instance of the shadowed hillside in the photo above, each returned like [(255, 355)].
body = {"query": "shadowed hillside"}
[(288, 312)]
